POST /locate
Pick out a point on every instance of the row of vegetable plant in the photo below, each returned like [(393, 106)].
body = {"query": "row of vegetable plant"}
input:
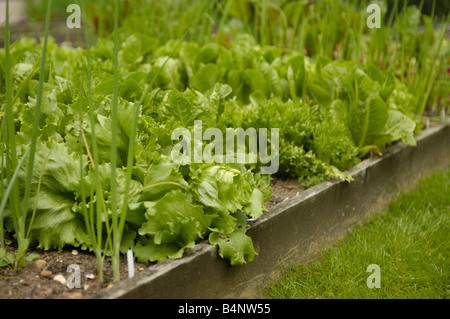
[(86, 131)]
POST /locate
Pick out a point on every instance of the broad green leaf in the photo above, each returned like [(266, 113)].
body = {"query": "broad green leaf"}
[(188, 55), (169, 73), (6, 258), (220, 187), (161, 177), (149, 251), (376, 116), (369, 113), (131, 50), (55, 224), (32, 257), (206, 77), (375, 119), (235, 79), (179, 107), (55, 168), (217, 96), (385, 79), (236, 246), (173, 222), (400, 127), (103, 133), (257, 81), (296, 75), (208, 54), (256, 208), (319, 93)]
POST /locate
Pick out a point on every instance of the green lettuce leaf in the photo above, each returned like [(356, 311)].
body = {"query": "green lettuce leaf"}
[(56, 224), (161, 177), (173, 223), (236, 246)]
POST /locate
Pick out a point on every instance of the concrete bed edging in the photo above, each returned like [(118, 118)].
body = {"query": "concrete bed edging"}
[(295, 230)]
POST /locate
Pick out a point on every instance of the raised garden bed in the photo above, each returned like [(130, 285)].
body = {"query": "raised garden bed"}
[(295, 230), (300, 224)]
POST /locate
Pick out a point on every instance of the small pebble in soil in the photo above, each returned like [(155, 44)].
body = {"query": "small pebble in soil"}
[(46, 273), (60, 279), (74, 252), (40, 264), (90, 276)]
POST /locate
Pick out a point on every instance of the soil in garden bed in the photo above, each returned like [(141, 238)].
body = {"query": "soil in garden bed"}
[(37, 279), (283, 189)]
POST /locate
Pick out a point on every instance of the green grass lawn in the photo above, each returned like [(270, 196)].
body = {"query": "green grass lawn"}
[(410, 242)]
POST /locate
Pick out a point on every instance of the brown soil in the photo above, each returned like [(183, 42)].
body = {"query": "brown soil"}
[(31, 282), (283, 189)]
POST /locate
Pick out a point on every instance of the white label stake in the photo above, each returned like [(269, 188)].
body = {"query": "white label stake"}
[(130, 262)]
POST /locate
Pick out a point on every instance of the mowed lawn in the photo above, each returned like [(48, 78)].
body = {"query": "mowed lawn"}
[(410, 244)]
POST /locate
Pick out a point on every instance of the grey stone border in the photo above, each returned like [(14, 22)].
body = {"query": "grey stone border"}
[(295, 230)]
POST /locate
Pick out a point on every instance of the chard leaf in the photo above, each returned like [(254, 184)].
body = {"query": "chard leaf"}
[(319, 93), (368, 111), (375, 119), (399, 127), (256, 81), (385, 79), (296, 75), (206, 77), (188, 55)]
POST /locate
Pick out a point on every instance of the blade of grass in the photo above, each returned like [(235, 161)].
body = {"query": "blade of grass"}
[(403, 45), (8, 124), (96, 232), (264, 21), (11, 159), (298, 16), (11, 184), (2, 190), (224, 11), (114, 131)]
